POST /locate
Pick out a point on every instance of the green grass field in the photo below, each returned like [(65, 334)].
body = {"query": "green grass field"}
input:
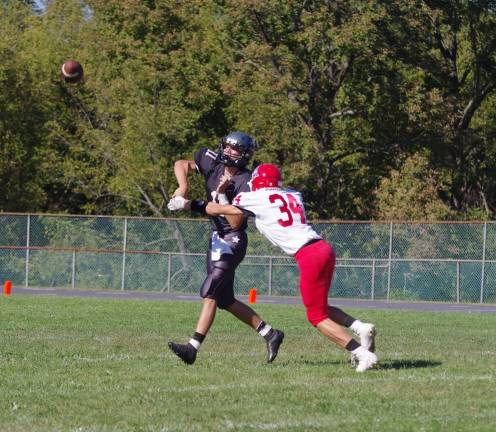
[(74, 364)]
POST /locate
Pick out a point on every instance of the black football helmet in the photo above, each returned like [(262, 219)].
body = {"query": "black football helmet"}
[(242, 142)]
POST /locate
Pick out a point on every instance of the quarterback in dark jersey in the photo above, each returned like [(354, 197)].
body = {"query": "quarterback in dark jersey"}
[(225, 175)]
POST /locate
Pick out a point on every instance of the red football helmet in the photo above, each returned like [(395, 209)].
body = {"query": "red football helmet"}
[(266, 176)]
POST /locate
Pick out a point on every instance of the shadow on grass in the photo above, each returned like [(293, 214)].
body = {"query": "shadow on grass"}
[(307, 362), (407, 364), (383, 364)]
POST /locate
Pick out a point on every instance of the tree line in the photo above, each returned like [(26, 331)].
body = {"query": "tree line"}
[(374, 109)]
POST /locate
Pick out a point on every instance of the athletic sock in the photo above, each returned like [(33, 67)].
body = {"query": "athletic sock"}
[(265, 330), (352, 345), (340, 316), (196, 340)]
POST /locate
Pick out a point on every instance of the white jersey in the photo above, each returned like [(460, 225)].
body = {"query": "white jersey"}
[(279, 216)]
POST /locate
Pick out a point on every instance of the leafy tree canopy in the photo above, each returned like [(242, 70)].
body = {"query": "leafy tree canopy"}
[(361, 102)]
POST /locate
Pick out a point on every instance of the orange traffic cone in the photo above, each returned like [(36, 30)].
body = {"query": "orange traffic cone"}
[(252, 296), (7, 288)]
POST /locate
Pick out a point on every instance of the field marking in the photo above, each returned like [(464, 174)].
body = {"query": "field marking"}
[(234, 425)]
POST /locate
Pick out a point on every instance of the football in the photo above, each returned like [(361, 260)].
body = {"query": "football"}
[(72, 71)]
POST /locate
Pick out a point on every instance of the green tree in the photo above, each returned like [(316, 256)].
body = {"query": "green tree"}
[(340, 94), (412, 193), (447, 50), (152, 95), (21, 117), (288, 84)]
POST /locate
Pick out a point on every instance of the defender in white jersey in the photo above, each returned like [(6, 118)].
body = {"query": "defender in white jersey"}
[(280, 215)]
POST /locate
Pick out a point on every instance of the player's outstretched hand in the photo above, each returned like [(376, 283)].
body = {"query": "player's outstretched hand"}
[(179, 203)]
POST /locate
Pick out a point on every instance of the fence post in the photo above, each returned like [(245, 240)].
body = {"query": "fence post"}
[(372, 288), (73, 279), (389, 259), (270, 276), (483, 263), (458, 281), (28, 229), (124, 247), (169, 271)]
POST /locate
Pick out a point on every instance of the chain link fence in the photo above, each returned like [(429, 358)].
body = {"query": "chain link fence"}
[(454, 262)]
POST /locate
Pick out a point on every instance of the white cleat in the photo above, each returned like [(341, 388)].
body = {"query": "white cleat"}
[(366, 334), (353, 360), (366, 360)]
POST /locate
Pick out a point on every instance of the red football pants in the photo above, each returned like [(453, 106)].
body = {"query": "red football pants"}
[(316, 263)]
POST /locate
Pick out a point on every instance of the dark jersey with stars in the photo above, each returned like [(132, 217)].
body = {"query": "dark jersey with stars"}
[(212, 170)]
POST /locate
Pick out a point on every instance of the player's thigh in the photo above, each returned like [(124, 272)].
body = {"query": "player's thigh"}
[(316, 271), (220, 275)]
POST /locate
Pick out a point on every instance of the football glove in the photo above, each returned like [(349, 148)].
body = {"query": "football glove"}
[(179, 203)]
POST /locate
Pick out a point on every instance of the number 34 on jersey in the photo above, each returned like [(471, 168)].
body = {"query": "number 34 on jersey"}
[(279, 215)]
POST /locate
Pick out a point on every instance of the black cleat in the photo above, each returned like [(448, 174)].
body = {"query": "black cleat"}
[(186, 353), (273, 344)]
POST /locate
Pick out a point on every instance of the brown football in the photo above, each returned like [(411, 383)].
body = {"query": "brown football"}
[(72, 71)]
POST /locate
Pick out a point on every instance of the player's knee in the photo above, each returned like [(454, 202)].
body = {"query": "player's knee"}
[(219, 286), (225, 302), (316, 315), (206, 288)]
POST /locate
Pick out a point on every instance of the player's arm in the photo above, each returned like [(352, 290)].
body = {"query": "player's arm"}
[(235, 220), (181, 169), (214, 209), (234, 215)]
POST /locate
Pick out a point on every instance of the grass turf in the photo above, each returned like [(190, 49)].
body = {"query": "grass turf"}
[(74, 364)]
